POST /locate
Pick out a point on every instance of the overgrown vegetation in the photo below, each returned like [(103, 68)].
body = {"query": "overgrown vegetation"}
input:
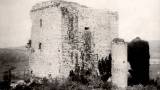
[(62, 84), (68, 84), (104, 66), (138, 57)]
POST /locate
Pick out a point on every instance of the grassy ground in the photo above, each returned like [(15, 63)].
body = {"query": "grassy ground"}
[(68, 84)]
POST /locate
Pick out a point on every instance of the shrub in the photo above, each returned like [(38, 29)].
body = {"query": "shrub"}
[(81, 75), (104, 66), (138, 57)]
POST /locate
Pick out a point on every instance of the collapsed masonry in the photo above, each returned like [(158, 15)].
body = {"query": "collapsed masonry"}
[(65, 35)]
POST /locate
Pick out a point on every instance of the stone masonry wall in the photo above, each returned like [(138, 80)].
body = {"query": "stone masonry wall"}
[(119, 68), (65, 35), (46, 42)]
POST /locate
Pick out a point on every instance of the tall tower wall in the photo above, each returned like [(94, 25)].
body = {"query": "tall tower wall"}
[(46, 42), (59, 36), (104, 27)]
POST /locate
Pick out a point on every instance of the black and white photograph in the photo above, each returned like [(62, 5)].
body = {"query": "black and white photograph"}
[(79, 44)]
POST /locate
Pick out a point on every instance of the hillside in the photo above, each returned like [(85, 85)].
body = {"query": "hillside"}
[(154, 58), (155, 51), (16, 58)]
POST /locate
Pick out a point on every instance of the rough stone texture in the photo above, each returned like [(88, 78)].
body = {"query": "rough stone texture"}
[(66, 34), (119, 68)]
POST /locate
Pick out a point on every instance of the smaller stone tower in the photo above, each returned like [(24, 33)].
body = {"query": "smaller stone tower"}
[(119, 64)]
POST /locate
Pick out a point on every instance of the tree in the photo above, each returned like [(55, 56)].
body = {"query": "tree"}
[(104, 66), (138, 57)]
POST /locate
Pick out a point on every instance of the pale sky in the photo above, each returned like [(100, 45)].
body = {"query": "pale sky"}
[(136, 18)]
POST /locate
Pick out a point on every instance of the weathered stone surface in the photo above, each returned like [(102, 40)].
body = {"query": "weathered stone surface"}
[(66, 34), (119, 64)]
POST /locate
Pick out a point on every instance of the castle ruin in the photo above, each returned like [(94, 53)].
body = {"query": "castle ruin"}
[(119, 68), (65, 35)]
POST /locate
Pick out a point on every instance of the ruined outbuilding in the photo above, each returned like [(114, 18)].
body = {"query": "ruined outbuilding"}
[(65, 35)]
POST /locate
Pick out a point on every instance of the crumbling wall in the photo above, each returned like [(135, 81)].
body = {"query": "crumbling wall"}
[(119, 68), (70, 52), (66, 35), (103, 25)]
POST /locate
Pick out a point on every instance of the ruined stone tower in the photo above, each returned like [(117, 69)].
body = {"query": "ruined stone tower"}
[(119, 64), (66, 34)]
